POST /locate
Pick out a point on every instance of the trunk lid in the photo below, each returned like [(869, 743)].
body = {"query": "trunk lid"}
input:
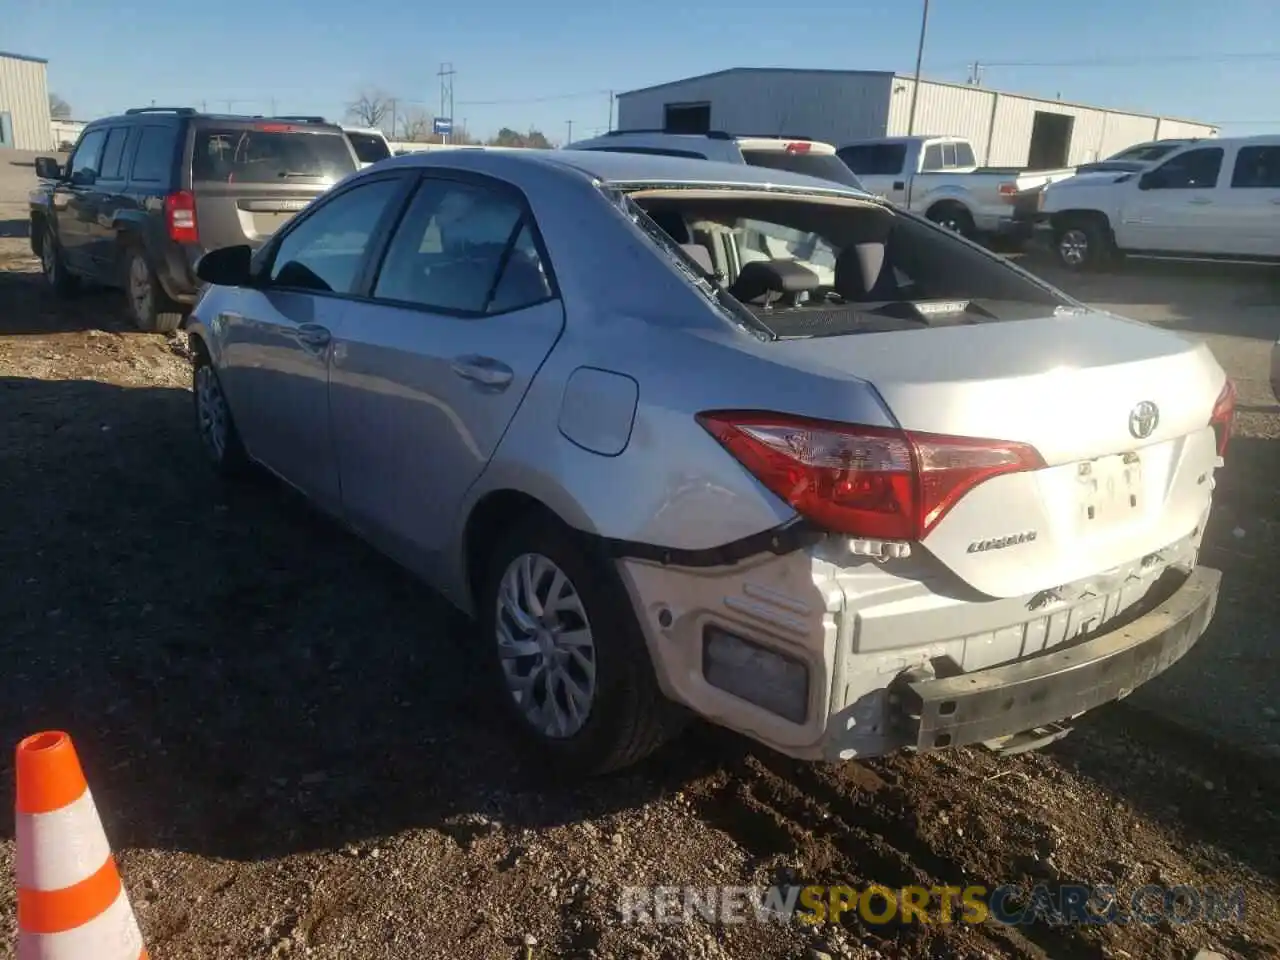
[(1068, 385)]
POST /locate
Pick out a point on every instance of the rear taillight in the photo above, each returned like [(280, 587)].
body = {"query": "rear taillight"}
[(1008, 192), (799, 147), (1224, 413), (180, 215), (871, 482)]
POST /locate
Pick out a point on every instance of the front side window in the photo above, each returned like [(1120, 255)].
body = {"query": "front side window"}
[(324, 252), (463, 248), (88, 155), (1193, 170), (369, 147)]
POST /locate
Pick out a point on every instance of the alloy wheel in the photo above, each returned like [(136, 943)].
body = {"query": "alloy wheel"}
[(140, 288), (1073, 247), (211, 411), (545, 646)]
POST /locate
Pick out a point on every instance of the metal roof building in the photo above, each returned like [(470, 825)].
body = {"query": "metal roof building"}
[(24, 102), (1006, 129)]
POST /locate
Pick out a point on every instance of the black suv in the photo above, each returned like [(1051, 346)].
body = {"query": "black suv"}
[(144, 194)]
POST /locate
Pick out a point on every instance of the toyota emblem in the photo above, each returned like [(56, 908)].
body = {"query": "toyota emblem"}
[(1143, 419)]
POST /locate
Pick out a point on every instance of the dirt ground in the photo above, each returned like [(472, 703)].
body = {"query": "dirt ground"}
[(290, 748)]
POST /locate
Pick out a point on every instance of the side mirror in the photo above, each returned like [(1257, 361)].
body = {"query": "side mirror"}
[(83, 178), (47, 168), (226, 266)]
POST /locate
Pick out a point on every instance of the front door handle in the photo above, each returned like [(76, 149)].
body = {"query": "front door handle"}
[(314, 335), (899, 184), (1200, 201), (485, 371)]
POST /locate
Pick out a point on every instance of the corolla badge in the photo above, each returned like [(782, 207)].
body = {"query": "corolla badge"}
[(1143, 419), (999, 543)]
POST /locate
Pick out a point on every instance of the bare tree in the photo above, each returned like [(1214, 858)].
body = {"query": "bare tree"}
[(59, 109), (370, 108), (416, 125)]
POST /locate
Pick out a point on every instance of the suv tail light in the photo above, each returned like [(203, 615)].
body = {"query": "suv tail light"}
[(1224, 414), (180, 215), (873, 482)]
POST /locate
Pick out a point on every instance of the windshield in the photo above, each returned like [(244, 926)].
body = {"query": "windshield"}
[(804, 267), (825, 166), (261, 155), (369, 147), (1146, 153)]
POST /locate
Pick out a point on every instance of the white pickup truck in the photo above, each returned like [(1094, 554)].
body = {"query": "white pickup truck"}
[(939, 177), (1213, 199)]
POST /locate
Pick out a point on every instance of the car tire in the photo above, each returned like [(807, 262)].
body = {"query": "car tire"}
[(218, 434), (54, 266), (150, 308), (953, 217), (625, 716), (1081, 245)]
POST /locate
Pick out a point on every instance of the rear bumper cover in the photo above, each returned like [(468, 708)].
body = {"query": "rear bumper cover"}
[(986, 705)]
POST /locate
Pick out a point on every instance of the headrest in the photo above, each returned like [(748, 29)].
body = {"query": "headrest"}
[(700, 255)]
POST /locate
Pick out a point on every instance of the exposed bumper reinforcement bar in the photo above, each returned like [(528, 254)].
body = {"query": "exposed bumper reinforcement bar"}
[(1042, 690)]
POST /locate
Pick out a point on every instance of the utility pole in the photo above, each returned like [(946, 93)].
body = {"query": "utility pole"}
[(975, 74), (446, 94), (915, 87), (393, 118), (610, 109), (569, 139)]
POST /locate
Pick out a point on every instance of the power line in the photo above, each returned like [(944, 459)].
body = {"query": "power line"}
[(1129, 61), (518, 100)]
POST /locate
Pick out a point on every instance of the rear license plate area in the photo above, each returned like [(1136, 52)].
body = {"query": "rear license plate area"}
[(1109, 491)]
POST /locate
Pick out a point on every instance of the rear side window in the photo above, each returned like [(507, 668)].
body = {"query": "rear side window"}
[(276, 154), (824, 166), (964, 155), (153, 159), (875, 159), (933, 157), (113, 154), (1258, 168), (369, 148)]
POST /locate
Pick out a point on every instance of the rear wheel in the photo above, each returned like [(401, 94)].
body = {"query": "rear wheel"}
[(150, 308), (54, 267), (567, 654), (953, 217)]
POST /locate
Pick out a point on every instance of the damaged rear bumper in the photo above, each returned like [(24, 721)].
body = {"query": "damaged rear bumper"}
[(987, 705)]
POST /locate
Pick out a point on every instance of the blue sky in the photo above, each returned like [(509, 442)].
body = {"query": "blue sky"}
[(544, 63)]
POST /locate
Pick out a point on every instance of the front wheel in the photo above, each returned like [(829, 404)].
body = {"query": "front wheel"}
[(53, 265), (218, 434), (1082, 245), (567, 654)]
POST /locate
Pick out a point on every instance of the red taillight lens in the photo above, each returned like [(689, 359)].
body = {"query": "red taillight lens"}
[(1008, 191), (180, 214), (872, 482), (1224, 414), (799, 147)]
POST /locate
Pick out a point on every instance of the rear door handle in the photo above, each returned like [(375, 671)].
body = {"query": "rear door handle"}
[(899, 184), (314, 335), (1200, 201), (485, 371)]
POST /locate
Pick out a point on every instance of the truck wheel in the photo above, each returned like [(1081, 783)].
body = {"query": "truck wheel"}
[(54, 268), (1082, 244), (953, 217), (570, 663), (150, 308)]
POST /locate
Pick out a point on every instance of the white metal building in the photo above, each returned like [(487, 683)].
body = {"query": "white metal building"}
[(24, 102), (838, 106)]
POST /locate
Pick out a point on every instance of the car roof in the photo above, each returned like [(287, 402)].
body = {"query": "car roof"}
[(627, 168)]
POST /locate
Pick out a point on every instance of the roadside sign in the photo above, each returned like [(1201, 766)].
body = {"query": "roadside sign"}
[(442, 125)]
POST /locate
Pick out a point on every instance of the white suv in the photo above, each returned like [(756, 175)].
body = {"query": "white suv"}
[(1208, 199), (797, 154)]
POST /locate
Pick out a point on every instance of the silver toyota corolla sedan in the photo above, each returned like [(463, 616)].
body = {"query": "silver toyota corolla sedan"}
[(688, 438)]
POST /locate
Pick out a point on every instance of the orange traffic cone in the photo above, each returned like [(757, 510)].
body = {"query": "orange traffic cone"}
[(71, 904)]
